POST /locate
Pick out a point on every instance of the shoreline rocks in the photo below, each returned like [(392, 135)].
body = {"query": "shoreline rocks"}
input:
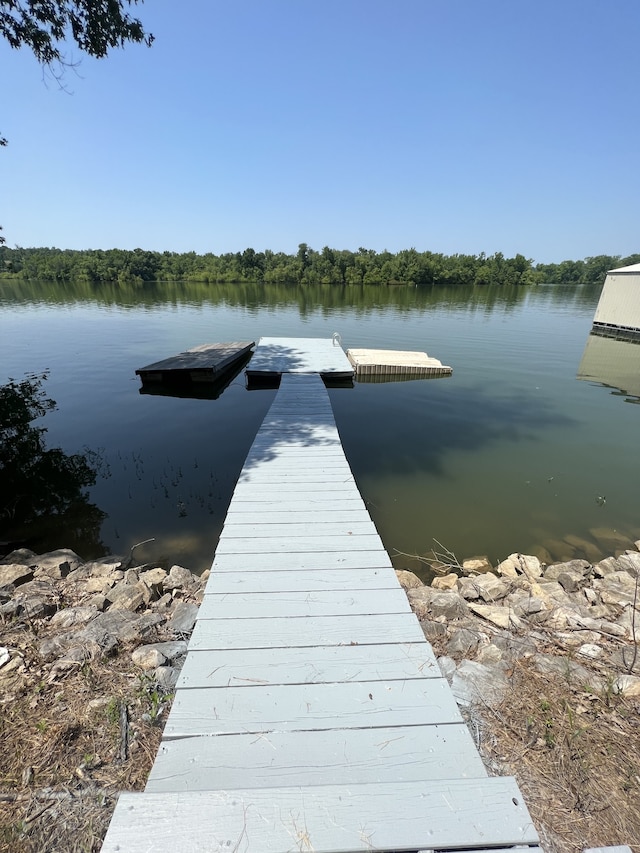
[(480, 623), (70, 612)]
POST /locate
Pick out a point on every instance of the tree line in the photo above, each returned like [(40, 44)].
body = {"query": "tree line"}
[(306, 266)]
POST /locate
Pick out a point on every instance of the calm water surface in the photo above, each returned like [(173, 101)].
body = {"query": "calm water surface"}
[(512, 453)]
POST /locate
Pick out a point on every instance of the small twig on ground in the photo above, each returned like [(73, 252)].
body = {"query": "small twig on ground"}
[(123, 750), (633, 626)]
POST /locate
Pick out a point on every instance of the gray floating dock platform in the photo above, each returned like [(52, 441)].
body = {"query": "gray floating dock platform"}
[(275, 356), (393, 364), (203, 363)]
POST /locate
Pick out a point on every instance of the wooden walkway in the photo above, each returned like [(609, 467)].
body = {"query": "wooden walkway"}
[(310, 714)]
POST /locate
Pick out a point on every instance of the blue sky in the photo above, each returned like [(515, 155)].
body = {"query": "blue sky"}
[(447, 125)]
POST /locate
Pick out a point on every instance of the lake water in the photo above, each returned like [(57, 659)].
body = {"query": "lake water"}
[(511, 453)]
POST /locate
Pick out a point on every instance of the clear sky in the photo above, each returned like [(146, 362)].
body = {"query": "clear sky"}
[(446, 125)]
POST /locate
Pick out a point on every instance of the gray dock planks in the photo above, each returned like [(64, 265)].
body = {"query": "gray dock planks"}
[(308, 631), (275, 545), (330, 757), (309, 580), (300, 561), (273, 605), (431, 814), (297, 666), (310, 707), (310, 713), (299, 355)]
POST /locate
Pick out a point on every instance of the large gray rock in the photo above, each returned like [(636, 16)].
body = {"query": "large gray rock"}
[(462, 643), (605, 567), (520, 564), (158, 654), (70, 616), (178, 578), (580, 567), (57, 564), (449, 605), (489, 654), (407, 579), (476, 565), (35, 599), (420, 599), (167, 677), (468, 589), (475, 682), (630, 563), (154, 579), (567, 669), (433, 631), (129, 596), (20, 555), (184, 618), (14, 574), (447, 667), (445, 582), (571, 580), (503, 617), (490, 587), (525, 605), (102, 634), (515, 647)]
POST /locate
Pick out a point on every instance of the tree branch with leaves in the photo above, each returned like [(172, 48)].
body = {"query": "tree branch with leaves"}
[(47, 27)]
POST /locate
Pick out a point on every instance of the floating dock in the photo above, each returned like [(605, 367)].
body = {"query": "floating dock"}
[(204, 363), (310, 714), (395, 364), (276, 356)]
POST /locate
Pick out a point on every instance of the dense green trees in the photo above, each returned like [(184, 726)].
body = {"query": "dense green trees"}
[(306, 266)]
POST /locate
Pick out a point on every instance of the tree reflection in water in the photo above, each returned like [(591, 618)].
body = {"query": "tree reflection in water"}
[(43, 490)]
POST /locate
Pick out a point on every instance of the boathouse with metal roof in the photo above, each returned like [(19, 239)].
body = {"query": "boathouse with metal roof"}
[(618, 311)]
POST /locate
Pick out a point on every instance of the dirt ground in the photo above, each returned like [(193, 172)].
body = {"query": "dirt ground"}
[(69, 747), (575, 755)]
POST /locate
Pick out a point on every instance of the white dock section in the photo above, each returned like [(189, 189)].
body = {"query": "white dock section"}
[(274, 356), (310, 714), (389, 364)]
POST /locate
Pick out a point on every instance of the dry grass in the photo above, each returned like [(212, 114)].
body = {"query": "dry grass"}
[(61, 765), (575, 755)]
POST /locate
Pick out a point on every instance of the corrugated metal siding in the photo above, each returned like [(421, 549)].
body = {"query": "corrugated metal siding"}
[(619, 303)]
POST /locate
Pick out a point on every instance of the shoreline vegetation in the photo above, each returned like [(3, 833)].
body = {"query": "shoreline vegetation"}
[(542, 659), (306, 266)]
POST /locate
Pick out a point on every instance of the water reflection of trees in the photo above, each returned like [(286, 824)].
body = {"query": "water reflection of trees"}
[(43, 490), (309, 299)]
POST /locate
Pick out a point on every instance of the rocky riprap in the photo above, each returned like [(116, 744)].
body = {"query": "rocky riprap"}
[(572, 617), (59, 611)]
